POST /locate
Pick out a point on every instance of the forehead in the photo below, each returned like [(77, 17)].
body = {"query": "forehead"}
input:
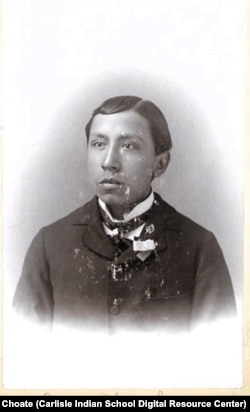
[(122, 123)]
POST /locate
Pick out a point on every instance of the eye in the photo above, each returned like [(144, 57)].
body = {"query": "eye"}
[(128, 146), (99, 144)]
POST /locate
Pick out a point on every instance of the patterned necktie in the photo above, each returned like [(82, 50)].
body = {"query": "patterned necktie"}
[(121, 227)]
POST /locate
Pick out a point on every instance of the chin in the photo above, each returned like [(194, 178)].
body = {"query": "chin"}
[(111, 199)]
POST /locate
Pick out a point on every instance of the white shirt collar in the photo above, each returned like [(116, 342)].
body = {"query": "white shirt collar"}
[(138, 210)]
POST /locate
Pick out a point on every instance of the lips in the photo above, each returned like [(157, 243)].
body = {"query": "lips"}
[(110, 183)]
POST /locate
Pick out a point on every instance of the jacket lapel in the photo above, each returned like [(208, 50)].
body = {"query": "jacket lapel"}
[(162, 218), (94, 236)]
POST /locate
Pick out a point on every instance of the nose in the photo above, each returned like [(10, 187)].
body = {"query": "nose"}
[(111, 159)]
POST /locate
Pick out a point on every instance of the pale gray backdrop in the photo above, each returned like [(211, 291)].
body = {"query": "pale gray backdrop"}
[(62, 58)]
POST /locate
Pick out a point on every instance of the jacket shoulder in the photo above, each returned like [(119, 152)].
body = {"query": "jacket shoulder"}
[(79, 216), (176, 221)]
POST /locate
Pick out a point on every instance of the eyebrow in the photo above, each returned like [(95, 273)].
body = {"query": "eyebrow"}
[(131, 135), (122, 136), (103, 136)]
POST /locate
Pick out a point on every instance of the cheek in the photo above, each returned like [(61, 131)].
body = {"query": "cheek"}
[(92, 161), (142, 167), (139, 178), (92, 172)]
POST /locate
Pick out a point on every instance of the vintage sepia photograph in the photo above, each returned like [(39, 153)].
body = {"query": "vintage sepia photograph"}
[(123, 194)]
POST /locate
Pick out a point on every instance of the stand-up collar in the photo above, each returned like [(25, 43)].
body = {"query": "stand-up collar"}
[(162, 217), (138, 210)]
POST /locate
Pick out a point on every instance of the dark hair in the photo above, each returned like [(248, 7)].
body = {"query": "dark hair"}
[(157, 122)]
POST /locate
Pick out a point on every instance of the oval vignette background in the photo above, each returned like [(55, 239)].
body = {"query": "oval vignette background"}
[(203, 181)]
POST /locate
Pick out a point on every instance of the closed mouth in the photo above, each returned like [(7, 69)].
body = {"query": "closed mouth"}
[(110, 181)]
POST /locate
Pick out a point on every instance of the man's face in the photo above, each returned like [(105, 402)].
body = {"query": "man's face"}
[(121, 160)]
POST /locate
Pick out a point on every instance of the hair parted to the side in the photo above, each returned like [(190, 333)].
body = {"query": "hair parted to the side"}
[(157, 122)]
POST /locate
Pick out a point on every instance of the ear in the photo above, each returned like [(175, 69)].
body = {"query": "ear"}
[(161, 164)]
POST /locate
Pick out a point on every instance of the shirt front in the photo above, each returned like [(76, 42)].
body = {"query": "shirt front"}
[(138, 210)]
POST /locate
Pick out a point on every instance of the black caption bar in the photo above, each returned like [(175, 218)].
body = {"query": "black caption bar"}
[(142, 402)]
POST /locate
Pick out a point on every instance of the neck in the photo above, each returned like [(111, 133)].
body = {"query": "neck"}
[(121, 212)]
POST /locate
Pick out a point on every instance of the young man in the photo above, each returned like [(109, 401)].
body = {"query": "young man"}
[(126, 260)]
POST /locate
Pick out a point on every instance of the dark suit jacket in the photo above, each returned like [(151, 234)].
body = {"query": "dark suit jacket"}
[(67, 275)]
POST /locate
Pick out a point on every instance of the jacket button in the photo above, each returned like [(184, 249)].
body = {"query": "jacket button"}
[(115, 307), (114, 310)]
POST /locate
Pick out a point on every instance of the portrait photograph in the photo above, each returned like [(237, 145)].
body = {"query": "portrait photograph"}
[(124, 150)]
